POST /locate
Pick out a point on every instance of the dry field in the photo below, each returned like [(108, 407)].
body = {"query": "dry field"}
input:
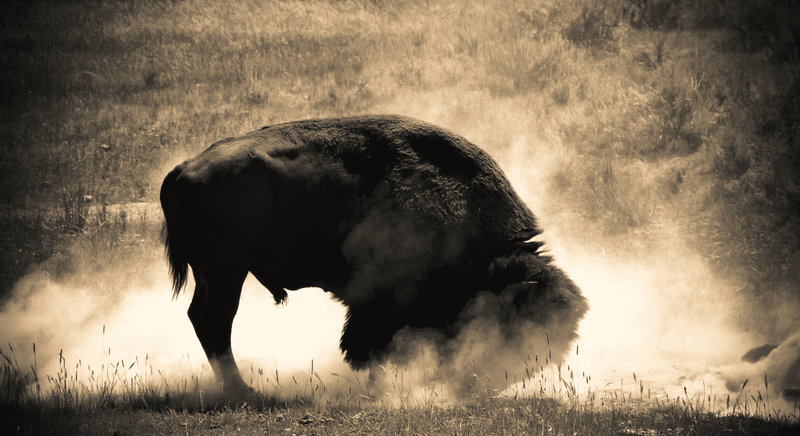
[(656, 140)]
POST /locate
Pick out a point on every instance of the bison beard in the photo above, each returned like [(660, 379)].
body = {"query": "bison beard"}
[(414, 229)]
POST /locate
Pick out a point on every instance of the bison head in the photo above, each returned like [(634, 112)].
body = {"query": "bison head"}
[(529, 311)]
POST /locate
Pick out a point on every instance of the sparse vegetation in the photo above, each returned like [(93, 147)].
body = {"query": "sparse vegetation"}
[(659, 111), (110, 400)]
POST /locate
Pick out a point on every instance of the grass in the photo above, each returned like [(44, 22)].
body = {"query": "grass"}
[(136, 399), (638, 115)]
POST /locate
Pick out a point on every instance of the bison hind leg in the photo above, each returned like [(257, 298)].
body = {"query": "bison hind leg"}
[(213, 308)]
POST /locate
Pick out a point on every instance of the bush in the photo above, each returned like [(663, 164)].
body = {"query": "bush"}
[(594, 26), (653, 14), (772, 24)]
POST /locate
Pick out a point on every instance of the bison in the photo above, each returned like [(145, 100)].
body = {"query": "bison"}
[(408, 225)]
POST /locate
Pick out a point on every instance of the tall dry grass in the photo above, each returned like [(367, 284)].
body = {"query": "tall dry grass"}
[(551, 398)]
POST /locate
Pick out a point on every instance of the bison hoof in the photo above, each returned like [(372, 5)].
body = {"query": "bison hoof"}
[(237, 392)]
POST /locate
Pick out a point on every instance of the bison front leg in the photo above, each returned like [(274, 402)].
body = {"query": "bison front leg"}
[(213, 307)]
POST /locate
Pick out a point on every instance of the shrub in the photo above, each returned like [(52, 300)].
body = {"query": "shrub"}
[(594, 26), (653, 14), (772, 24)]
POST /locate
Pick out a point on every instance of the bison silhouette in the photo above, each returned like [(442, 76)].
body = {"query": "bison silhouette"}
[(410, 226)]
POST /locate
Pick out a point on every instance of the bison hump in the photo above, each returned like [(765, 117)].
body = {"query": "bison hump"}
[(416, 168)]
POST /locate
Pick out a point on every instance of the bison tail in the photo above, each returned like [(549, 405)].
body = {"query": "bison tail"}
[(175, 249)]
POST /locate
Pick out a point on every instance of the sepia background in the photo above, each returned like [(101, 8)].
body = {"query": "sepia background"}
[(656, 141)]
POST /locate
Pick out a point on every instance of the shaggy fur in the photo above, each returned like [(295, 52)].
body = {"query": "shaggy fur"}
[(403, 222)]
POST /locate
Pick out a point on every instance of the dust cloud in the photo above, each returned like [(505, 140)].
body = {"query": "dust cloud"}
[(660, 323), (84, 334), (658, 319)]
